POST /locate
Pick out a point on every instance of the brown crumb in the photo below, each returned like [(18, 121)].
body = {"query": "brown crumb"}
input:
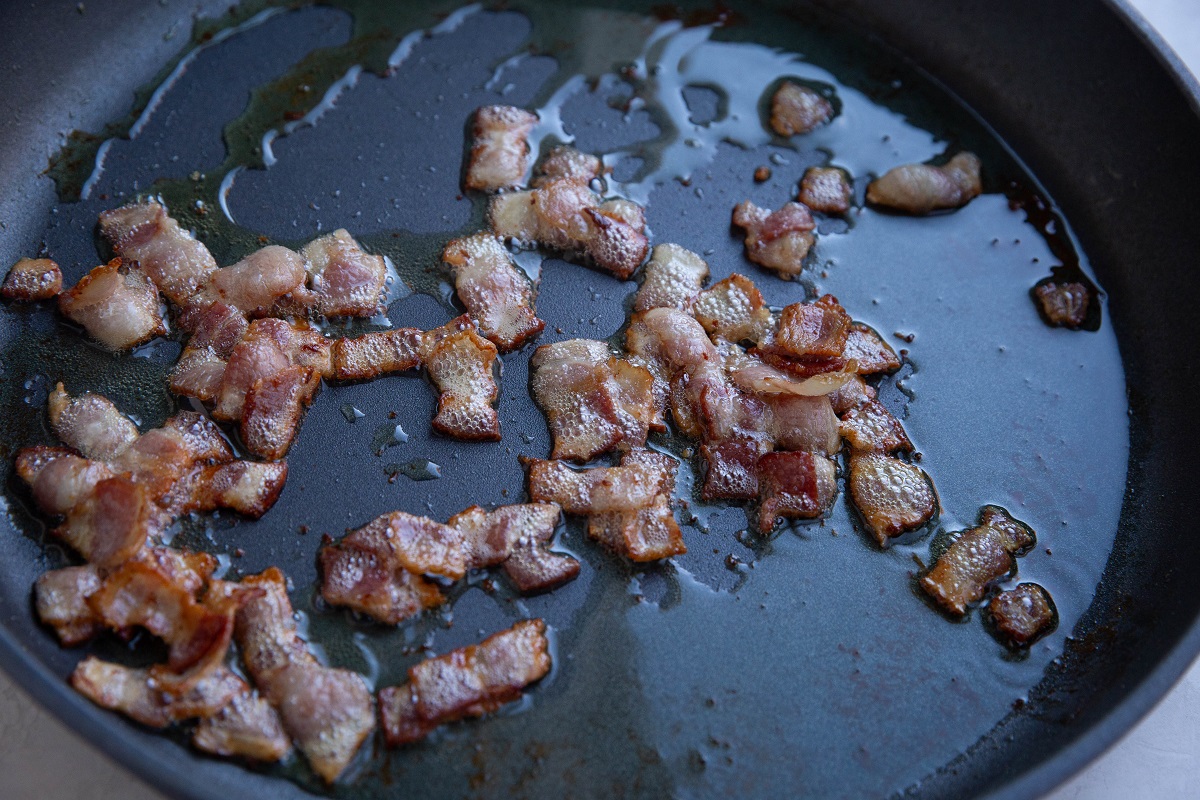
[(762, 174)]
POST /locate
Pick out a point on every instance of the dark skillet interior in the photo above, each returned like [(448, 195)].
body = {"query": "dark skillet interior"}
[(818, 669)]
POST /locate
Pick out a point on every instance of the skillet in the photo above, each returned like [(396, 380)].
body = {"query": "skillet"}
[(596, 723)]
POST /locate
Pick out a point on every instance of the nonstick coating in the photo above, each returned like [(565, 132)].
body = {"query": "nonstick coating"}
[(1093, 106)]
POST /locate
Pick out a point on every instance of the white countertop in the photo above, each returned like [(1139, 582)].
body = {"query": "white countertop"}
[(1160, 758)]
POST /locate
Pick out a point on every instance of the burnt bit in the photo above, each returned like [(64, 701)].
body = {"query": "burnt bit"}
[(1020, 616)]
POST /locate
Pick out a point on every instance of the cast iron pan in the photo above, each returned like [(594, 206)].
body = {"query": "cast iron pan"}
[(810, 667)]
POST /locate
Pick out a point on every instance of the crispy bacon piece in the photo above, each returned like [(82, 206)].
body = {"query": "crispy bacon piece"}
[(327, 712), (893, 496), (248, 487), (811, 330), (826, 189), (567, 162), (499, 148), (116, 304), (346, 280), (60, 597), (922, 188), (1023, 615), (734, 309), (385, 352), (256, 283), (32, 279), (797, 485), (170, 256), (517, 536), (869, 427), (137, 694), (497, 296), (468, 682), (671, 278), (247, 727), (460, 366), (798, 109), (976, 558), (1062, 304), (778, 240), (90, 423), (869, 351)]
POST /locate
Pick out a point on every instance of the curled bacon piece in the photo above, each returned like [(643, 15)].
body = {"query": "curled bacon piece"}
[(32, 279), (869, 351), (826, 189), (247, 727), (136, 693), (116, 304), (460, 366), (734, 309), (778, 240), (327, 712), (256, 283), (811, 330), (497, 296), (567, 162), (869, 427), (798, 109), (671, 278), (922, 188), (499, 148), (142, 233), (976, 558), (385, 352), (1023, 615), (90, 423), (468, 682), (893, 496), (794, 485), (346, 280)]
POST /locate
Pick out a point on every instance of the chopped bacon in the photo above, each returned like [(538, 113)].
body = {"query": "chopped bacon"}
[(752, 374), (216, 330), (385, 352), (248, 487), (797, 485), (778, 240), (796, 422), (798, 109), (247, 727), (826, 189), (61, 595), (733, 309), (90, 423), (171, 257), (460, 366), (671, 278), (499, 148), (567, 162), (32, 279), (116, 304), (137, 694), (517, 536), (256, 283), (976, 558), (1022, 615), (497, 296), (346, 280), (922, 188), (811, 330), (468, 682), (853, 393), (869, 351), (893, 496), (870, 427), (1062, 304), (327, 712)]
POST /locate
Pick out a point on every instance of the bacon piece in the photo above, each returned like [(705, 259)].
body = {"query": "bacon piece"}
[(469, 682), (976, 558), (893, 496), (109, 523), (869, 351), (198, 374), (247, 487), (517, 536), (778, 240), (753, 375), (497, 296), (567, 162), (256, 283), (269, 348), (798, 109), (922, 188), (853, 393), (671, 278), (1062, 304), (460, 366), (346, 280), (795, 485), (826, 189), (734, 309), (32, 279), (811, 330), (1023, 615), (802, 423), (216, 330), (499, 148), (90, 423), (60, 597), (327, 712), (385, 352), (116, 304), (247, 727), (869, 427), (272, 411), (136, 693), (171, 257)]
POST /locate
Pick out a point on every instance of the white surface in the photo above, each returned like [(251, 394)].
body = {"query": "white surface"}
[(42, 759)]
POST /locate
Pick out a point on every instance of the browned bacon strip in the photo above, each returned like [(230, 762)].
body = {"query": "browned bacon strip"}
[(136, 693), (383, 353), (468, 682), (116, 304), (671, 278), (327, 712), (922, 188), (811, 330), (246, 727), (798, 109), (826, 189), (869, 427), (32, 279), (497, 296), (346, 280), (248, 487), (734, 309), (1062, 304), (499, 149), (90, 423), (142, 233), (869, 351), (1023, 615), (976, 558), (796, 485), (893, 496), (60, 597), (778, 240), (517, 536)]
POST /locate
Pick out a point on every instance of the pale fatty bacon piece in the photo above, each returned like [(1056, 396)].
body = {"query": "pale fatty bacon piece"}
[(468, 682), (733, 309), (870, 427), (795, 485), (671, 278), (893, 496), (869, 351), (386, 352), (567, 162), (327, 712), (752, 375), (171, 257), (60, 597), (811, 330), (116, 304), (136, 694), (499, 148), (517, 536), (1062, 304), (778, 240), (798, 109), (976, 558), (922, 188), (32, 279), (245, 727), (795, 422), (248, 487), (256, 283), (853, 393), (1022, 615), (90, 423), (826, 189), (460, 366), (216, 330), (346, 280), (496, 294)]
